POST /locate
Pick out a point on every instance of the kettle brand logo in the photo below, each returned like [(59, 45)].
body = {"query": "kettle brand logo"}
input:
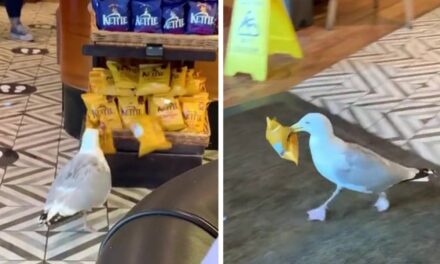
[(102, 110), (154, 73), (146, 19), (203, 16), (167, 107), (174, 22), (114, 18), (131, 111)]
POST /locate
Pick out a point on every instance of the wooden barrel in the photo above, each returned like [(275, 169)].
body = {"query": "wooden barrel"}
[(74, 23)]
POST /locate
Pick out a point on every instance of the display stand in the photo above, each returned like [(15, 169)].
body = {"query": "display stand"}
[(156, 168)]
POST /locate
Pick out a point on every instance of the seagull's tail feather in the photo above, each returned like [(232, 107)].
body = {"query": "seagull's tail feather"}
[(423, 175)]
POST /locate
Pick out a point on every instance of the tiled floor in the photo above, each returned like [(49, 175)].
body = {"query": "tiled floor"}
[(32, 126), (391, 87)]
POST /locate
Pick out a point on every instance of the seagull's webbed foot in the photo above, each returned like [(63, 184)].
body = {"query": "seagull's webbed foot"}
[(382, 204), (317, 214)]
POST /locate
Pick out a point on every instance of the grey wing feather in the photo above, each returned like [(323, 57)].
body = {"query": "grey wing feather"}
[(83, 183), (366, 168)]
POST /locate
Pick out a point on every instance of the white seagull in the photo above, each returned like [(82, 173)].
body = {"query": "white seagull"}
[(83, 183), (351, 166)]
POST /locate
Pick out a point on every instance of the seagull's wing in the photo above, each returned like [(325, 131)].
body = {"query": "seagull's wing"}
[(365, 168), (80, 185)]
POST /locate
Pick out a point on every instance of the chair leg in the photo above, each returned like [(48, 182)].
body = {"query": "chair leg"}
[(331, 13), (409, 12)]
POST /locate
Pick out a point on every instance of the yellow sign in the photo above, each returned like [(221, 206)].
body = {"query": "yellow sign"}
[(259, 28)]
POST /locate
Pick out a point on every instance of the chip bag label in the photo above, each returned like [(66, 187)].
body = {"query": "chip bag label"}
[(147, 16), (102, 109), (130, 108), (202, 18), (112, 15), (194, 112), (151, 137), (174, 18), (283, 140), (168, 110)]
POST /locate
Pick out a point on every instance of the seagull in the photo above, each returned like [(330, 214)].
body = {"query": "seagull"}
[(83, 183), (351, 166)]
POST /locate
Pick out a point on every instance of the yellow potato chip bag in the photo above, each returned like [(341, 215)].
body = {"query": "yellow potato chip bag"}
[(178, 81), (148, 131), (130, 108), (101, 82), (125, 77), (102, 109), (194, 111), (153, 79), (195, 83), (168, 110), (106, 139), (283, 141)]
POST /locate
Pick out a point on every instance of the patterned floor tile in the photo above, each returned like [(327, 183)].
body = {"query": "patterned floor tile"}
[(361, 115), (33, 159), (126, 197), (20, 218), (97, 220), (426, 142), (71, 262), (73, 246), (28, 176), (20, 262), (22, 245), (23, 195)]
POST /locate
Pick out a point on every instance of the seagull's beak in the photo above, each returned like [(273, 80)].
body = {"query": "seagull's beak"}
[(296, 128)]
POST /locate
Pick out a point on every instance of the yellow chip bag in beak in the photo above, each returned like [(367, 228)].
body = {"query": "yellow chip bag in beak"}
[(283, 141)]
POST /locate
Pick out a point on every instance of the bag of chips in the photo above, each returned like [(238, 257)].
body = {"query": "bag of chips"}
[(101, 82), (125, 77), (168, 110), (173, 13), (194, 112), (106, 139), (148, 131), (202, 17), (153, 79), (283, 140), (178, 81), (147, 16), (112, 15), (131, 108), (195, 83), (102, 109)]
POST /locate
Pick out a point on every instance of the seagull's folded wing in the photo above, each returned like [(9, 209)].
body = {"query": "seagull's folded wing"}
[(79, 185), (366, 169)]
